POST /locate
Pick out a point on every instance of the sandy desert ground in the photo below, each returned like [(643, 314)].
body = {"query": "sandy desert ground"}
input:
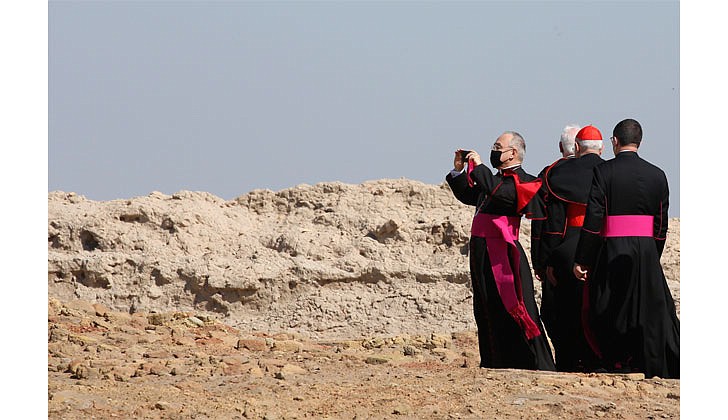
[(326, 301)]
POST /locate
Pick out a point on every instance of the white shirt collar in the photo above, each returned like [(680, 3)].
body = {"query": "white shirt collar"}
[(509, 167)]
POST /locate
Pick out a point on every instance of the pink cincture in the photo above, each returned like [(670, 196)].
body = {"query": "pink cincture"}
[(501, 233), (628, 225)]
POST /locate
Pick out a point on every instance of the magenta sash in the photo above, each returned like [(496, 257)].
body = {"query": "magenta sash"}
[(471, 166), (628, 225), (501, 233)]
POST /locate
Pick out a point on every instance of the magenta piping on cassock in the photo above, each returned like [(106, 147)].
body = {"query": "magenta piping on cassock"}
[(628, 225), (501, 234)]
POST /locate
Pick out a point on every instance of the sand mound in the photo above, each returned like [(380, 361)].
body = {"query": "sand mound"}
[(328, 260)]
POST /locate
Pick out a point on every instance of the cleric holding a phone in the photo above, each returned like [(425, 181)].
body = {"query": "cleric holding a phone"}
[(510, 332)]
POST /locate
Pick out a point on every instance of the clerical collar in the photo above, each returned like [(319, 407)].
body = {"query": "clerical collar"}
[(514, 167)]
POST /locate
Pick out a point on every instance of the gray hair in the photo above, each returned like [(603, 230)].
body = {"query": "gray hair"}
[(590, 144), (518, 143), (568, 136)]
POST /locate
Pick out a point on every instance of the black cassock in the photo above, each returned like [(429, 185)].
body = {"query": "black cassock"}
[(503, 342), (565, 190), (632, 320)]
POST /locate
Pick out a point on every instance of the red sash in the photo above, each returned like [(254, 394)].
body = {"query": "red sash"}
[(525, 191), (575, 214)]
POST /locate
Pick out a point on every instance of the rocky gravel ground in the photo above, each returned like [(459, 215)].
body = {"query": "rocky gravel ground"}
[(105, 364)]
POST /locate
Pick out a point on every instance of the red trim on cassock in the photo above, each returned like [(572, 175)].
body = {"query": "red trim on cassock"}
[(590, 231), (548, 184)]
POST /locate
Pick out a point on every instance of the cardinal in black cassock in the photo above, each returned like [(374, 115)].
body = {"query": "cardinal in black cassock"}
[(631, 318), (565, 189), (510, 333)]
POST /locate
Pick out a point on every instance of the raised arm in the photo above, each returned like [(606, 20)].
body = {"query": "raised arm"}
[(461, 190), (458, 182)]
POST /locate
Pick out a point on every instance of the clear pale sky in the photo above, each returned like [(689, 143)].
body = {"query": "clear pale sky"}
[(227, 97)]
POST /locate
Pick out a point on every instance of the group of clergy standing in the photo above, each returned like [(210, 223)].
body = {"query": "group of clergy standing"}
[(598, 230)]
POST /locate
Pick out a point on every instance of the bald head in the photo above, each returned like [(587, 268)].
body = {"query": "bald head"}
[(512, 140)]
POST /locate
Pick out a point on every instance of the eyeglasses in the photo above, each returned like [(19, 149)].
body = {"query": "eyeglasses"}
[(496, 147)]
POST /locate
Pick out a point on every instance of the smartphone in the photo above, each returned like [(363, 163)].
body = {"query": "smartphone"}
[(464, 153)]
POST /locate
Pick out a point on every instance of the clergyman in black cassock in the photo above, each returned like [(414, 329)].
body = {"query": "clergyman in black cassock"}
[(567, 142), (565, 190), (510, 333), (633, 325)]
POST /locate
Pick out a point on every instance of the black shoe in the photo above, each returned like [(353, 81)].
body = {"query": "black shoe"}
[(622, 368)]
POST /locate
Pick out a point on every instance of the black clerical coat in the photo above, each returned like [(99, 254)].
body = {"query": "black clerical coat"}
[(632, 320), (501, 340), (565, 190)]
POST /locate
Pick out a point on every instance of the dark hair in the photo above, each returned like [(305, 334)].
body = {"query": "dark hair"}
[(628, 131)]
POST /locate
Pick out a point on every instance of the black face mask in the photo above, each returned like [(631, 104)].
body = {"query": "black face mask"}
[(495, 158)]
